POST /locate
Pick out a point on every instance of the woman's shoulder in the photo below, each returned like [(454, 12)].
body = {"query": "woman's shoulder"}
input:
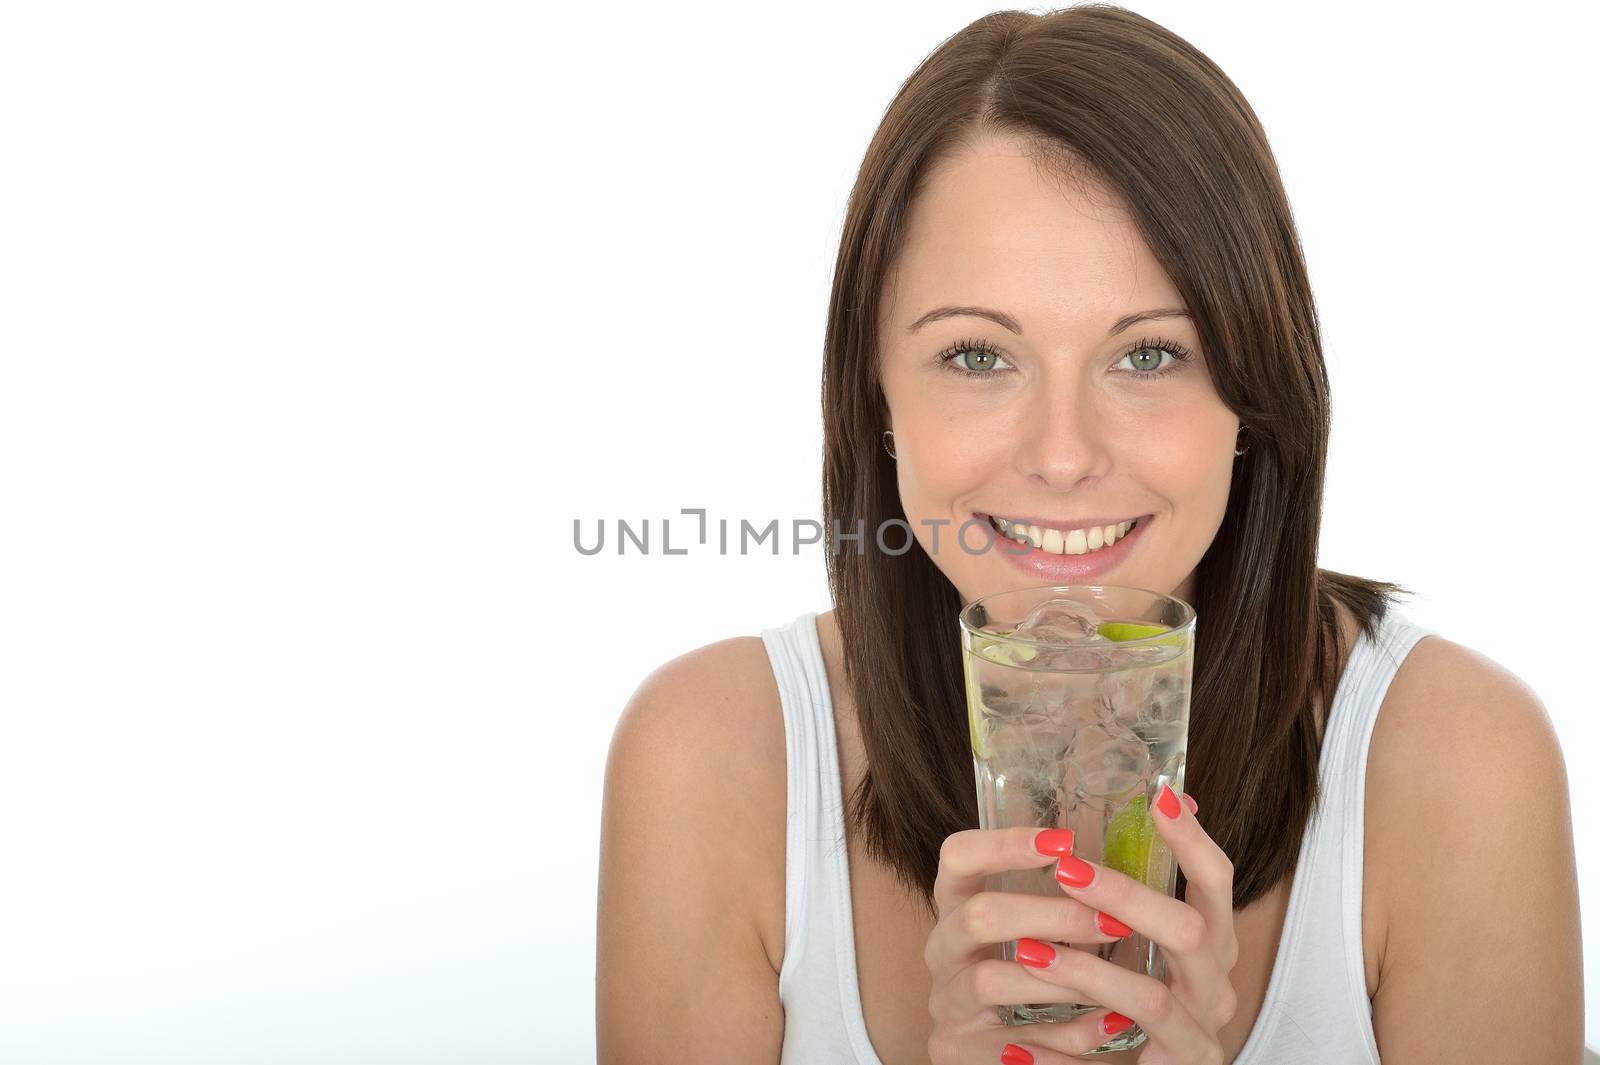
[(1448, 699), (713, 707), (703, 738), (728, 668), (1463, 760), (691, 860)]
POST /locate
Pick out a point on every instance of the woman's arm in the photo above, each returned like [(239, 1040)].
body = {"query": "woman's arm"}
[(693, 823), (1470, 830)]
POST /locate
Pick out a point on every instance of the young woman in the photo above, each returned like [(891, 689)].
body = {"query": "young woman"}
[(1070, 292)]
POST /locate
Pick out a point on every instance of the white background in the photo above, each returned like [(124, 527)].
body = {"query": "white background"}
[(323, 322)]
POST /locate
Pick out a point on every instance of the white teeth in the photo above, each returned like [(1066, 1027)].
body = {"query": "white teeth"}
[(1076, 542)]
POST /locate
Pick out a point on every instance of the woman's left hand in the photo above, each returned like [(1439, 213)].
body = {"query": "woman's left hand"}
[(1196, 935)]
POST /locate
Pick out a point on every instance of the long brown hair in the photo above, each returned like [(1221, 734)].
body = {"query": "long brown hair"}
[(1096, 89)]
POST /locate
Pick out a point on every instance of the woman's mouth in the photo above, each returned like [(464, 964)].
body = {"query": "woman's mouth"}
[(1084, 540), (1069, 552)]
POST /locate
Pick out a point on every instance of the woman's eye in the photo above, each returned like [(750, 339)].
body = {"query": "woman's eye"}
[(974, 359), (978, 361), (1147, 358)]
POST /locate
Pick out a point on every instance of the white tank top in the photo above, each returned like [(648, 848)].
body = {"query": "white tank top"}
[(1316, 1010)]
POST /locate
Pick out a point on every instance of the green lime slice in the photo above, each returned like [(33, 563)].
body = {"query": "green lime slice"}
[(1128, 837), (1128, 630), (975, 726), (976, 731), (1008, 654)]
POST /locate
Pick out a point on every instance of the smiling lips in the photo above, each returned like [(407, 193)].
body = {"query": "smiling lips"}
[(1079, 541)]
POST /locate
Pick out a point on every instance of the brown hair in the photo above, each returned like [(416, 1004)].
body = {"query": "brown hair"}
[(1097, 89)]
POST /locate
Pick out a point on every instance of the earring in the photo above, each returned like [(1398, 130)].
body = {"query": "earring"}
[(1241, 450), (888, 443)]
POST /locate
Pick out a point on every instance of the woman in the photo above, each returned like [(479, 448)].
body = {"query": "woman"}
[(1070, 292)]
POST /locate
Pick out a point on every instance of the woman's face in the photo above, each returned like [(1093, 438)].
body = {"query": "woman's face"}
[(1072, 418)]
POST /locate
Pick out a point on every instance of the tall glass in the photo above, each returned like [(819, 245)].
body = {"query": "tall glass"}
[(1078, 714)]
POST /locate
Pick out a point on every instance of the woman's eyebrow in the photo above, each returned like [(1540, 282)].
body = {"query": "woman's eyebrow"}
[(1004, 319)]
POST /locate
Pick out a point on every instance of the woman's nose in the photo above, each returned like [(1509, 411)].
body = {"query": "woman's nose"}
[(1060, 443)]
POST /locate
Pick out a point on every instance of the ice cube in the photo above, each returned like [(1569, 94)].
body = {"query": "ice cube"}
[(1030, 745), (1060, 621), (997, 701), (1106, 761), (1086, 654), (1028, 752), (1051, 694)]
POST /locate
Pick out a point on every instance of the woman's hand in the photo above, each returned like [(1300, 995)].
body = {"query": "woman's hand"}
[(1196, 936)]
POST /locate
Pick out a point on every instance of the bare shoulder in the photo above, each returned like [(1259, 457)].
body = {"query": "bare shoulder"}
[(692, 830), (1469, 847), (710, 720), (720, 699), (1456, 731), (1451, 712)]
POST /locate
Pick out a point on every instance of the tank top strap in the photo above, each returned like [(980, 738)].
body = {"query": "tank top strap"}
[(817, 983), (1374, 661), (813, 789)]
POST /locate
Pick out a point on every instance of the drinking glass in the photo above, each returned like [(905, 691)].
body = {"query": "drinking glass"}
[(1078, 713)]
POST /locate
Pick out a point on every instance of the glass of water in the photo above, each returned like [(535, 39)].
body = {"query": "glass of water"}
[(1078, 713)]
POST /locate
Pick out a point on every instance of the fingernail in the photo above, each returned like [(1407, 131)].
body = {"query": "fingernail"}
[(1057, 841), (1110, 926), (1167, 803), (1015, 1055), (1074, 871), (1112, 1023), (1188, 800), (1035, 954)]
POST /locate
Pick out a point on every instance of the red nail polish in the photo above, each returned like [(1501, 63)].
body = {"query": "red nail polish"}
[(1167, 803), (1112, 1023), (1110, 926), (1074, 871), (1057, 841), (1033, 953), (1188, 800), (1015, 1055)]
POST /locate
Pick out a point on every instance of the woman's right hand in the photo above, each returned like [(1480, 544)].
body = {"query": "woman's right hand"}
[(969, 982)]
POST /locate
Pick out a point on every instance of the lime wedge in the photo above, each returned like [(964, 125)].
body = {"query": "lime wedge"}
[(1128, 837), (976, 731), (975, 728), (1008, 654), (1128, 630)]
